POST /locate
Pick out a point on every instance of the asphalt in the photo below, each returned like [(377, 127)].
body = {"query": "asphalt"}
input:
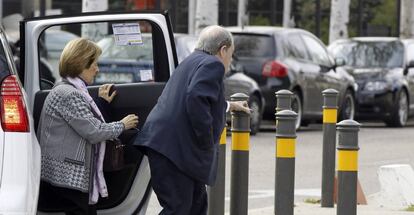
[(316, 209)]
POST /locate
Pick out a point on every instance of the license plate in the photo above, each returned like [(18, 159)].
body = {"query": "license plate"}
[(114, 78)]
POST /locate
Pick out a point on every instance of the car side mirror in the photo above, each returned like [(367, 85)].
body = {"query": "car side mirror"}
[(409, 66), (339, 61)]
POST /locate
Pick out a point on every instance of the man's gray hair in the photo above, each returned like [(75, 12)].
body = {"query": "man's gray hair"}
[(212, 38)]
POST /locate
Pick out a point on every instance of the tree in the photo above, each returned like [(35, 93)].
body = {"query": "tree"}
[(338, 26), (287, 10), (206, 14), (407, 19)]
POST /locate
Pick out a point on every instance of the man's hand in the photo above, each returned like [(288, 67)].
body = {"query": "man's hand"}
[(104, 92), (239, 106)]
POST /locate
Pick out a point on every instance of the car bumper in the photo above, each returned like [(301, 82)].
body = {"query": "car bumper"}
[(19, 189), (375, 106), (268, 91)]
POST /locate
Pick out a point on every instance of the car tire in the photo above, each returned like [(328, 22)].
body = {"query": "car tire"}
[(297, 107), (347, 110), (399, 116), (255, 116)]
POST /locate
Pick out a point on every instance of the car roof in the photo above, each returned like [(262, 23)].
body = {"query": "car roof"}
[(407, 41), (368, 39), (270, 30)]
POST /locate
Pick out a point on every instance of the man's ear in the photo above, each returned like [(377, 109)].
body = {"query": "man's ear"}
[(223, 50)]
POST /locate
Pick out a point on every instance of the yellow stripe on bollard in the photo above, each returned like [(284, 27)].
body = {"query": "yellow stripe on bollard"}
[(330, 115), (347, 160), (240, 141), (223, 136), (285, 147)]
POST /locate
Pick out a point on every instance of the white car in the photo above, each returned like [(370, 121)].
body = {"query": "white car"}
[(19, 148), (129, 191)]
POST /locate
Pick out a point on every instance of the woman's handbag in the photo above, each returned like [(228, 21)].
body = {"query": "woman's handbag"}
[(114, 155)]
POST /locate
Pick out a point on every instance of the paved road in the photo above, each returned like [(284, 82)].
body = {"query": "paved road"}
[(379, 146)]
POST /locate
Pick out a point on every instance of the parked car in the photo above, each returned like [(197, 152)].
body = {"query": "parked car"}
[(235, 81), (125, 64), (19, 148), (383, 70), (294, 59), (51, 45), (129, 189)]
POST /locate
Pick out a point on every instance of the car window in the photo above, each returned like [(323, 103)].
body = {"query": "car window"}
[(410, 52), (367, 54), (4, 66), (295, 47), (185, 46), (318, 53), (127, 51), (252, 45)]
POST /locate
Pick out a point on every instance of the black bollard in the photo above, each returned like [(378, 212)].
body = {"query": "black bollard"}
[(240, 137), (285, 162), (347, 167), (216, 193), (330, 113)]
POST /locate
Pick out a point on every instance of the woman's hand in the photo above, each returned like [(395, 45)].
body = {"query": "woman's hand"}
[(104, 92), (130, 121)]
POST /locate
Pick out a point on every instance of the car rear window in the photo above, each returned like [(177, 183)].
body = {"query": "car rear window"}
[(254, 45)]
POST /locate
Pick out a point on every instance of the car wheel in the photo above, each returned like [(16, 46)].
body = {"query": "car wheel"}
[(255, 116), (348, 107), (297, 107), (399, 116)]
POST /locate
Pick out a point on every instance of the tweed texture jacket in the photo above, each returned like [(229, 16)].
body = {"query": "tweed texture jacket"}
[(67, 132)]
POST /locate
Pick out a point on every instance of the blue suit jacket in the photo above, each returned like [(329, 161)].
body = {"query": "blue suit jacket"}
[(186, 123)]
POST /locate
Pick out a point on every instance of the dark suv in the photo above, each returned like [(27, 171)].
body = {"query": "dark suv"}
[(287, 58)]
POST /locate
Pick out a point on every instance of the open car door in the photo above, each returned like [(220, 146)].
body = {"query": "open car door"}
[(138, 55)]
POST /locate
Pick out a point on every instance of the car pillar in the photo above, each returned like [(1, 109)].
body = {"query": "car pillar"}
[(240, 137), (285, 161), (330, 113), (347, 167)]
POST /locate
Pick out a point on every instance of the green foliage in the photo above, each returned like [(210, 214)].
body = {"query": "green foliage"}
[(312, 201), (375, 12), (385, 14), (259, 20), (410, 208)]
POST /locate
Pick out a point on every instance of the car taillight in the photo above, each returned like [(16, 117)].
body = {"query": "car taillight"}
[(13, 108), (274, 69)]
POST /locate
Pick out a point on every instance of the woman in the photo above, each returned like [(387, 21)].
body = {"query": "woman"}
[(72, 131)]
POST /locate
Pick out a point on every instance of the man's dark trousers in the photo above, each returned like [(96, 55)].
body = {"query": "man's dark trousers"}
[(177, 193)]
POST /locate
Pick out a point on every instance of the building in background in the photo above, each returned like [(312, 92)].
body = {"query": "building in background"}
[(371, 18)]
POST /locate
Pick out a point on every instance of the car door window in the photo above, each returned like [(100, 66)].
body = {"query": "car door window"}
[(318, 53), (127, 51), (295, 47)]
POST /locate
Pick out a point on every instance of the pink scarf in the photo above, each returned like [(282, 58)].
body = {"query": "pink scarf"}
[(99, 184)]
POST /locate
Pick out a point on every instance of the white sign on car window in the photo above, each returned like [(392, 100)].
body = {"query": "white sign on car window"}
[(146, 75), (127, 34)]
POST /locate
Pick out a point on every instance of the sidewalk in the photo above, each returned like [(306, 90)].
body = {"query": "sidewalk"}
[(315, 209)]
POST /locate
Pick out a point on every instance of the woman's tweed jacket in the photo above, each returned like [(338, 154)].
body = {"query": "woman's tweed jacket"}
[(67, 133)]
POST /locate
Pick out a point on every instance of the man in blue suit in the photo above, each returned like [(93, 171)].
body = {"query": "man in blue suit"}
[(181, 134)]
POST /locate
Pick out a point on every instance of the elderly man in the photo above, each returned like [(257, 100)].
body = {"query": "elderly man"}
[(181, 134)]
